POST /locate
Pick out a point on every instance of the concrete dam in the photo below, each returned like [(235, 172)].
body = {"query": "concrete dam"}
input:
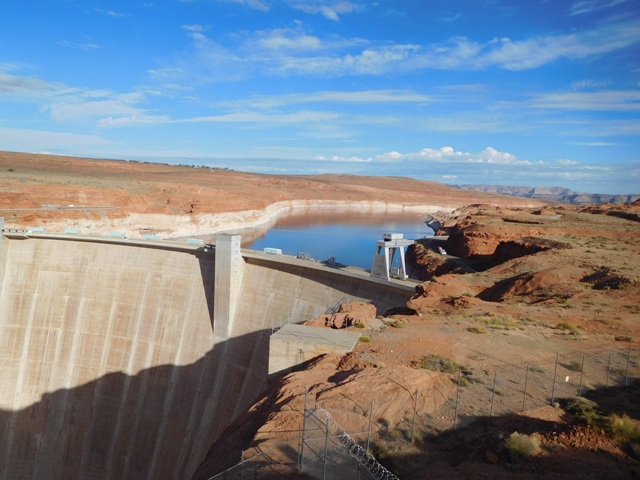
[(126, 359)]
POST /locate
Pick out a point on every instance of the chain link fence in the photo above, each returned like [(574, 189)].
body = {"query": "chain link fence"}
[(324, 450)]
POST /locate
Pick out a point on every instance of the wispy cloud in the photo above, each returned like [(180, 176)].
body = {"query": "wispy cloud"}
[(329, 97), (22, 85), (606, 100), (77, 108), (129, 121), (294, 51), (488, 156), (110, 13), (330, 10), (87, 46), (265, 118), (587, 6), (253, 4)]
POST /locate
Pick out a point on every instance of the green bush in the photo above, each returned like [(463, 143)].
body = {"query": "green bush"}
[(583, 410), (364, 339), (437, 363), (521, 446), (624, 429), (476, 330), (395, 323)]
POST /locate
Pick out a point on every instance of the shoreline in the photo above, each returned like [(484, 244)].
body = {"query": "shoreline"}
[(136, 225)]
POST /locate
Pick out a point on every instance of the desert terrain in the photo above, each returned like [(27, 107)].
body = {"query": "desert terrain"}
[(525, 288)]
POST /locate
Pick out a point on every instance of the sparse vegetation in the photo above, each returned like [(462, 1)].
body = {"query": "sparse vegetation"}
[(360, 325), (395, 323), (437, 363), (364, 339), (521, 446), (569, 327), (583, 410), (574, 366), (506, 322), (476, 330)]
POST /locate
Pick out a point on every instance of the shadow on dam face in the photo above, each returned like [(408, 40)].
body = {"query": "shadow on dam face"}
[(109, 368), (158, 423)]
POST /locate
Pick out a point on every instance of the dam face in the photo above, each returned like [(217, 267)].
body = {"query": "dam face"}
[(110, 368)]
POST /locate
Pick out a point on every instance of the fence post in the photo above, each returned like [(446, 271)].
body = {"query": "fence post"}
[(326, 449), (626, 375), (493, 392), (304, 428), (415, 409), (370, 425), (581, 375), (553, 388), (524, 395), (606, 383), (455, 417)]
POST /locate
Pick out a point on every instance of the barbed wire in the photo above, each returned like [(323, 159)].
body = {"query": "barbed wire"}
[(363, 457)]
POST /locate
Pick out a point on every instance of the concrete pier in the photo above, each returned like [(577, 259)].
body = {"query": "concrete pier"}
[(112, 365)]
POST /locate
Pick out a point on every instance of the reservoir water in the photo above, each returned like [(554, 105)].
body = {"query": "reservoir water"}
[(350, 237)]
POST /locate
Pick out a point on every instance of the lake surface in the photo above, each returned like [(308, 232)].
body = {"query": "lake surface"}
[(350, 237)]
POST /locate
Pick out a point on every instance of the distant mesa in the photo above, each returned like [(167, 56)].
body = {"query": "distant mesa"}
[(554, 194)]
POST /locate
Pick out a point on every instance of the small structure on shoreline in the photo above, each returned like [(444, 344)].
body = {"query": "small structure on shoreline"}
[(385, 254)]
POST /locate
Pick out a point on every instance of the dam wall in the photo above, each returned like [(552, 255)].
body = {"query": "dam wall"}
[(109, 365)]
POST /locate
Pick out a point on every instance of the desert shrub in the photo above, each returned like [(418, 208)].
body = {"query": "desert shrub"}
[(395, 323), (360, 325), (521, 446), (476, 330), (583, 410), (569, 327), (364, 339), (574, 366), (437, 363), (380, 451), (624, 429), (499, 323), (463, 381), (386, 423)]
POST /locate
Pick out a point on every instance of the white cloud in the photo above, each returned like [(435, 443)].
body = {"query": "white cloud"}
[(605, 100), (588, 84), (331, 11), (366, 96), (488, 156), (288, 39), (296, 51), (126, 121), (193, 28), (587, 6), (254, 4), (566, 162), (266, 119), (79, 46), (21, 85)]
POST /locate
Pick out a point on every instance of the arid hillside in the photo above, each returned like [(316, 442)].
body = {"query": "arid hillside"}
[(527, 305), (99, 195)]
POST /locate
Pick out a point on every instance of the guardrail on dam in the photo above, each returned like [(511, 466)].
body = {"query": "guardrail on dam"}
[(115, 364)]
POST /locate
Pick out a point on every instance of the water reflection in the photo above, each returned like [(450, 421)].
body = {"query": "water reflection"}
[(349, 236)]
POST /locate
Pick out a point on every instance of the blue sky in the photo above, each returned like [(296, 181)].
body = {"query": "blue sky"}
[(539, 93)]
